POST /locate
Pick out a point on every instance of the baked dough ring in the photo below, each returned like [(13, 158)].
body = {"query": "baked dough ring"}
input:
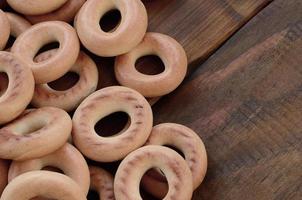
[(126, 36), (101, 181), (35, 7), (50, 185), (103, 103), (67, 158), (14, 100), (3, 175), (65, 13), (71, 98), (28, 44), (188, 142), (171, 53), (132, 168), (5, 29), (35, 134), (17, 23)]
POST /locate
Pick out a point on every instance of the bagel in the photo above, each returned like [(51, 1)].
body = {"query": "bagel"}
[(126, 36), (133, 167), (68, 99), (5, 29), (14, 100), (67, 158), (65, 13), (28, 44), (17, 23), (185, 140), (35, 7), (47, 184), (102, 103), (34, 134), (171, 53), (101, 181)]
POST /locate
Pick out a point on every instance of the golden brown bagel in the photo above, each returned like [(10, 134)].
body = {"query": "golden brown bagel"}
[(68, 99), (5, 29), (102, 103), (68, 159), (14, 100), (133, 167), (65, 13), (35, 7), (47, 184), (34, 134), (126, 36), (28, 44), (101, 181), (171, 53), (185, 140)]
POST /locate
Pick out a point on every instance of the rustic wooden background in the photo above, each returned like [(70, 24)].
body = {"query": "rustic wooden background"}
[(242, 95)]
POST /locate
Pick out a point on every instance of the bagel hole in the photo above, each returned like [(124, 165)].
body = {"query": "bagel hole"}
[(3, 83), (47, 47), (65, 82), (92, 195), (52, 169), (150, 65), (10, 42), (110, 21), (157, 175), (113, 124)]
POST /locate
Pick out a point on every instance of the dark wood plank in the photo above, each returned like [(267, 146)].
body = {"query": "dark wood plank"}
[(201, 26), (246, 104)]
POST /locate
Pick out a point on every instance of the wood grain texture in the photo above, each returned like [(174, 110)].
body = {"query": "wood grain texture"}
[(246, 104), (201, 26)]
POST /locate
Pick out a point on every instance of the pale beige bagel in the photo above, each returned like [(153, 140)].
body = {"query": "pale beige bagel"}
[(65, 13), (3, 174), (50, 185), (171, 53), (67, 158), (101, 181), (105, 102), (28, 44), (17, 24), (126, 36), (35, 7), (20, 79), (35, 134), (4, 29), (133, 167), (185, 140), (71, 98)]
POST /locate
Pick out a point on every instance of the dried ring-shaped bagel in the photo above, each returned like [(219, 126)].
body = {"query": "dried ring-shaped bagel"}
[(126, 36), (102, 103), (3, 175), (4, 29), (28, 44), (101, 181), (71, 98), (35, 134), (35, 7), (47, 184), (17, 23), (67, 158), (65, 13), (170, 52), (185, 140), (20, 87), (134, 166)]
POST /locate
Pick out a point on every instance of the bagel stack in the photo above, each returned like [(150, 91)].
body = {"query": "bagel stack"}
[(50, 147)]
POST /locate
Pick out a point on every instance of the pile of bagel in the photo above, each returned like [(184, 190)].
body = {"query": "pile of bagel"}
[(47, 135)]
